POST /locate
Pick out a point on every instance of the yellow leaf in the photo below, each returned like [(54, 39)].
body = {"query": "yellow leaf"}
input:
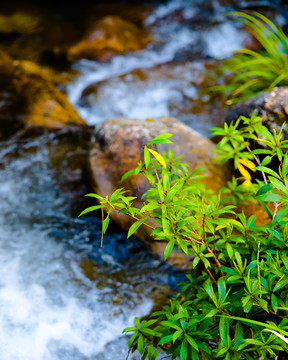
[(265, 141), (244, 172), (246, 183), (249, 164), (158, 157)]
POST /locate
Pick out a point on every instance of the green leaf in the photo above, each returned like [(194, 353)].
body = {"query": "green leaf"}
[(192, 342), (132, 339), (280, 284), (239, 260), (147, 160), (212, 313), (222, 351), (275, 233), (264, 189), (129, 173), (195, 262), (105, 224), (263, 304), (229, 250), (140, 344), (221, 288), (128, 329), (268, 171), (150, 352), (135, 226), (91, 208), (149, 177), (94, 196), (169, 324), (274, 303), (161, 139), (137, 322), (176, 335), (194, 354), (238, 334), (169, 248), (229, 270), (266, 160), (183, 350), (254, 342), (224, 330), (166, 339), (156, 353)]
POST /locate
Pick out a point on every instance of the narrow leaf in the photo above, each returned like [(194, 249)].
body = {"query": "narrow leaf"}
[(158, 157), (135, 226)]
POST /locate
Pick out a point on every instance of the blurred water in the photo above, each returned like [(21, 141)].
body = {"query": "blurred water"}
[(49, 308), (174, 41)]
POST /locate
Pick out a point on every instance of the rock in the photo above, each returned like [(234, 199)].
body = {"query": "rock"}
[(28, 97), (119, 147), (20, 22), (109, 36), (256, 209), (271, 106)]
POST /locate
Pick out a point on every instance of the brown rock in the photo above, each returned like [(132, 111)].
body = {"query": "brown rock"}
[(271, 106), (257, 209), (119, 147), (110, 35), (28, 97)]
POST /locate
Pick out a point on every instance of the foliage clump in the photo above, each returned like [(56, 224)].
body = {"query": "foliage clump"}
[(234, 304), (251, 72)]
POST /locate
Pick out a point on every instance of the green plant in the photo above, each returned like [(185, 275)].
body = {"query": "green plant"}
[(234, 305), (251, 72)]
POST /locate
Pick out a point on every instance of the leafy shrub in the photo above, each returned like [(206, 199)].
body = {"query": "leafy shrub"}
[(234, 305), (252, 72)]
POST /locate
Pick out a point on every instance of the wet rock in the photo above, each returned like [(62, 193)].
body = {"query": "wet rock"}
[(271, 106), (28, 97), (20, 22), (135, 12), (109, 36), (257, 209), (119, 147)]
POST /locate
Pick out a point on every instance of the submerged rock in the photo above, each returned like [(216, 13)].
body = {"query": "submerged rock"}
[(271, 106), (109, 36), (118, 147), (28, 97)]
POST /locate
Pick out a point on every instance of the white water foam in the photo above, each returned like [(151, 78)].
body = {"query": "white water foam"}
[(48, 309), (170, 39)]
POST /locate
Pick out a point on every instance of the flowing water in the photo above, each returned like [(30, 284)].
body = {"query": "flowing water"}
[(62, 297)]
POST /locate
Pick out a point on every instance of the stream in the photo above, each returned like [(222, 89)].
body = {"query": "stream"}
[(62, 297)]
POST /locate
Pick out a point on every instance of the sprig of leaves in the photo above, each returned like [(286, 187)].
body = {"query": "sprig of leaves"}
[(239, 286), (251, 72)]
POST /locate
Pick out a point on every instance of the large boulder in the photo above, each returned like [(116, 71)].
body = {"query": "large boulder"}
[(28, 97), (118, 147), (271, 106), (109, 36)]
